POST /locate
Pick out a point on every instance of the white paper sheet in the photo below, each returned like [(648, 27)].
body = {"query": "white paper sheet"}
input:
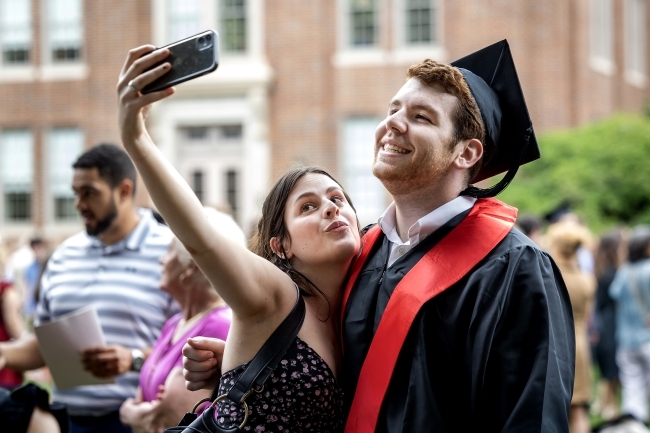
[(61, 343)]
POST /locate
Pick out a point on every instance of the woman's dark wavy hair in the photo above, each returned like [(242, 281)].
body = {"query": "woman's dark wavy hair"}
[(272, 225)]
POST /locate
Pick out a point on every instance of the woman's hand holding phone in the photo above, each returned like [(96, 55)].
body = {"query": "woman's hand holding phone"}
[(133, 106)]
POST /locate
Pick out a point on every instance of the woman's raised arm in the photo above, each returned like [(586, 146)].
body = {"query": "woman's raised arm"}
[(248, 283)]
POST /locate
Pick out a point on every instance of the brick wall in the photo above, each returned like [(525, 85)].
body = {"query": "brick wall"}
[(111, 28), (311, 96), (549, 41)]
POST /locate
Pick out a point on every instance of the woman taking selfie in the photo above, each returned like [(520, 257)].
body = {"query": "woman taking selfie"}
[(306, 239)]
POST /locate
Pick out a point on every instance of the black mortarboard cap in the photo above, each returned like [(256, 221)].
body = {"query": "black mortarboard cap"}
[(510, 140)]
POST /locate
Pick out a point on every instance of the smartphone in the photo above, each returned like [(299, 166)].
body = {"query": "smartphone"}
[(189, 58)]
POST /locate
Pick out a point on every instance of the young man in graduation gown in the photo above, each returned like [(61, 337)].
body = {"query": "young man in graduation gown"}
[(453, 320)]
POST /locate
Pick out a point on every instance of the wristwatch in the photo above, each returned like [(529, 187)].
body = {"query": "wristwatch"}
[(137, 359)]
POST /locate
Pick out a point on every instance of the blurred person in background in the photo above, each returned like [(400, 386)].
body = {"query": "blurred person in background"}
[(114, 266), (33, 273), (162, 398), (27, 410), (609, 256), (631, 291), (565, 238), (563, 214), (11, 323), (531, 226)]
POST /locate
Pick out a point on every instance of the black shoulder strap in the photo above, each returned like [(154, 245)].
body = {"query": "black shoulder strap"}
[(269, 356)]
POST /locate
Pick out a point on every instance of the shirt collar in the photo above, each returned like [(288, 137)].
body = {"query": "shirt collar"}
[(425, 225), (134, 240)]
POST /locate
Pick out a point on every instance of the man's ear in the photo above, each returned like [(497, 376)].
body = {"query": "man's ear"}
[(279, 249), (471, 152), (125, 190)]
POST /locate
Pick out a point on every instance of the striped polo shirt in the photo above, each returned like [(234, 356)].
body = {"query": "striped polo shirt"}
[(122, 282)]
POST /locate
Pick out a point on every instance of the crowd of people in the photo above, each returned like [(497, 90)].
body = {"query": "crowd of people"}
[(608, 280), (441, 317)]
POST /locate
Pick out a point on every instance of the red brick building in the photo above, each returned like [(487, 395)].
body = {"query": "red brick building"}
[(299, 80)]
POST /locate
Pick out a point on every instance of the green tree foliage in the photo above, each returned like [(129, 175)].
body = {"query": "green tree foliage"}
[(602, 170)]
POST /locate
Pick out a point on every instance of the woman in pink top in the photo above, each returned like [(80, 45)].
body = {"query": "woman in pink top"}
[(162, 398)]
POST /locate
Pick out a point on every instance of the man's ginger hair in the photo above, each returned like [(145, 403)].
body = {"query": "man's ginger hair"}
[(466, 117)]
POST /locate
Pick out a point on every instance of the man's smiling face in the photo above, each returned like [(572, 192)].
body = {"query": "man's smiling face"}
[(413, 145)]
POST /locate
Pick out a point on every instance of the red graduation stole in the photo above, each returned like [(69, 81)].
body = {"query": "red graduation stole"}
[(445, 264)]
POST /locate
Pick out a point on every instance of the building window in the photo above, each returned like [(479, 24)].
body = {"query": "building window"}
[(212, 135), (197, 184), (419, 22), (232, 191), (635, 39), (16, 174), (363, 22), (233, 25), (64, 147), (357, 158), (64, 30), (601, 33), (231, 132), (196, 133), (15, 31), (184, 18)]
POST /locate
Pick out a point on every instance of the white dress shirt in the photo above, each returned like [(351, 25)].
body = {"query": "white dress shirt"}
[(422, 227)]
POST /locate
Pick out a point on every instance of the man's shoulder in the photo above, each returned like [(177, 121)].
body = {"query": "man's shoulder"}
[(78, 241), (158, 233), (515, 240)]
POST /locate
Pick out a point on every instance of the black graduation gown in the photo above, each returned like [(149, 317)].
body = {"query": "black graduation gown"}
[(493, 353)]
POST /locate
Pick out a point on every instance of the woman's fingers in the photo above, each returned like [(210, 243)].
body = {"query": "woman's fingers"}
[(145, 62), (202, 362), (205, 343), (150, 76), (138, 75), (134, 55)]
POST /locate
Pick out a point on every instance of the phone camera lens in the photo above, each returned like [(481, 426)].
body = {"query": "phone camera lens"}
[(200, 40), (208, 38)]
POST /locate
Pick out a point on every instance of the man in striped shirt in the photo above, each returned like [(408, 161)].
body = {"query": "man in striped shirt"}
[(113, 266)]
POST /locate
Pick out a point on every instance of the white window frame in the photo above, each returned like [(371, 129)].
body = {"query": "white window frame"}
[(356, 173), (211, 19), (30, 164), (29, 33), (63, 71), (601, 36), (206, 9), (20, 72), (363, 55), (406, 52), (48, 194), (223, 52), (635, 42), (236, 68)]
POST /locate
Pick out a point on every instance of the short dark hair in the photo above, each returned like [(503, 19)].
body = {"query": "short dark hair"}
[(638, 246), (112, 162), (528, 224)]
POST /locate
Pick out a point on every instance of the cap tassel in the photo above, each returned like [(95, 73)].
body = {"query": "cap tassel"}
[(473, 191)]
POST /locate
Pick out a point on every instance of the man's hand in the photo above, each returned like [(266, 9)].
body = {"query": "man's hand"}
[(107, 361), (3, 361), (202, 362)]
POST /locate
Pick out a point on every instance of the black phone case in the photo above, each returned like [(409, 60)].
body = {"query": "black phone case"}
[(187, 61)]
